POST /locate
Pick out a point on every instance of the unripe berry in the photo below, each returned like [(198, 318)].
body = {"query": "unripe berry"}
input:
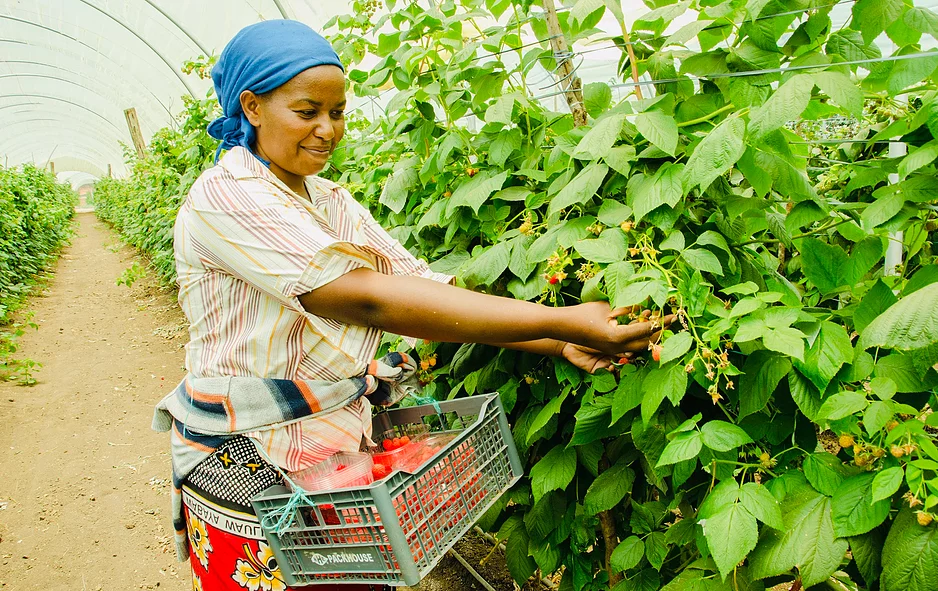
[(656, 352), (924, 519), (897, 451), (846, 440), (892, 425)]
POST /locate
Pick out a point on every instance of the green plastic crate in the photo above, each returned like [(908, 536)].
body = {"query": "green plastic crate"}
[(395, 531)]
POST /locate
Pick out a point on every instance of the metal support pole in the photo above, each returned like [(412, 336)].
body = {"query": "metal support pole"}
[(893, 262)]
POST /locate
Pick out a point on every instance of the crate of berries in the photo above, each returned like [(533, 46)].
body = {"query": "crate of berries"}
[(387, 515)]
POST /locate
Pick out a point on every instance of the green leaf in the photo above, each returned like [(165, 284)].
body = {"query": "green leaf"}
[(703, 260), (905, 73), (731, 534), (762, 504), (545, 516), (805, 395), (553, 472), (618, 159), (853, 510), (716, 153), (599, 140), (723, 436), (867, 552), (610, 247), (886, 483), (656, 549), (807, 541), (609, 488), (597, 96), (842, 90), (661, 383), (825, 472), (674, 241), (628, 394), (500, 110), (786, 104), (882, 210), (874, 303), (841, 405), (398, 187), (518, 559), (547, 412), (646, 193), (476, 191), (911, 323), (910, 555), (850, 45), (580, 190), (872, 17), (761, 374), (627, 554), (659, 129), (683, 447), (676, 346), (822, 263), (876, 417), (922, 19), (489, 266), (613, 213), (829, 352), (786, 340), (917, 158)]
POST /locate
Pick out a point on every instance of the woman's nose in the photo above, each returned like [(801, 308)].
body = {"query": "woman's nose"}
[(324, 130)]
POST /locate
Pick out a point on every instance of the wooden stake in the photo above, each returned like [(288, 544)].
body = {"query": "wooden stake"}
[(133, 124), (570, 82), (109, 171), (52, 167)]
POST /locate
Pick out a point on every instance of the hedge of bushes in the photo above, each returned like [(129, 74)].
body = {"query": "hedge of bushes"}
[(142, 208), (34, 224)]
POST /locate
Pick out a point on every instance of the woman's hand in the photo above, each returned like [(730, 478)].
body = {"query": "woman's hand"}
[(601, 331), (587, 359)]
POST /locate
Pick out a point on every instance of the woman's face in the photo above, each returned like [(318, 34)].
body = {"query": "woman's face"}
[(301, 123)]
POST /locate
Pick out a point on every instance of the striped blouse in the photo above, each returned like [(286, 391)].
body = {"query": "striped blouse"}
[(246, 247)]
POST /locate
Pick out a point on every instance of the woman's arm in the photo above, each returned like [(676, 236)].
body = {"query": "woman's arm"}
[(426, 309)]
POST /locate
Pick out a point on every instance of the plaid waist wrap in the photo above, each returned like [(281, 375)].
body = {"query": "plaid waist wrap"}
[(203, 413)]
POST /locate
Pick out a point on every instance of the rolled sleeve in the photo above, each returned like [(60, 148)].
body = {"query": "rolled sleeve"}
[(401, 260)]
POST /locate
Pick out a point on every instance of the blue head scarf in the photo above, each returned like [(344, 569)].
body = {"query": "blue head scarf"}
[(261, 58)]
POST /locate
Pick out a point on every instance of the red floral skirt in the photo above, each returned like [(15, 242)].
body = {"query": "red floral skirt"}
[(228, 551)]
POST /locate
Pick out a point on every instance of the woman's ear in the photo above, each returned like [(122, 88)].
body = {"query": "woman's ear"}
[(251, 105)]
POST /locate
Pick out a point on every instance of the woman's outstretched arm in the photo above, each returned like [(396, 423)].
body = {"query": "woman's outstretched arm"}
[(423, 308)]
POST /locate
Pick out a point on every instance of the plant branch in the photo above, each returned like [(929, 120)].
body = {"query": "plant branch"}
[(705, 118)]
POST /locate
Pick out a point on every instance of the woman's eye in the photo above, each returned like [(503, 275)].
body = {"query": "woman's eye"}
[(307, 114), (338, 114)]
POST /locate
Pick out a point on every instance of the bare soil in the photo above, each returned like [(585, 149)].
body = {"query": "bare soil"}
[(84, 481)]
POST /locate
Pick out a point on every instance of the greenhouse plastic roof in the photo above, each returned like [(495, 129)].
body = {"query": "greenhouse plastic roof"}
[(69, 68)]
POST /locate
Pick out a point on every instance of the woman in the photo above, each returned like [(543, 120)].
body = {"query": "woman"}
[(287, 284)]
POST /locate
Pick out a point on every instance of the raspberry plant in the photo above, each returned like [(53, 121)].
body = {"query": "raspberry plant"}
[(783, 430), (35, 223)]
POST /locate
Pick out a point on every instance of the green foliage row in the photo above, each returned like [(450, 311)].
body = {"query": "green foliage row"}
[(142, 207), (786, 419), (35, 215)]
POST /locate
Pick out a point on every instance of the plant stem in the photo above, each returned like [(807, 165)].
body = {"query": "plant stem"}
[(705, 118), (607, 522), (820, 230)]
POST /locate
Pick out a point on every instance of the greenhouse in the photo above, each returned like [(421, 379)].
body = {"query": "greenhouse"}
[(571, 295)]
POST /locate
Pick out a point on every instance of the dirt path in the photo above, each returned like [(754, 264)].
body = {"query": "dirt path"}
[(83, 480)]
